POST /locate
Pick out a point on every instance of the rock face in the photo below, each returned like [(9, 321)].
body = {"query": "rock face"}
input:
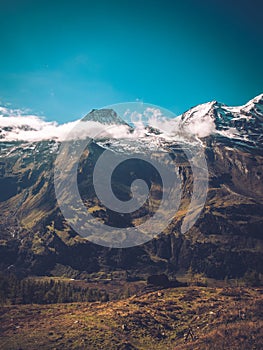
[(225, 241), (104, 116)]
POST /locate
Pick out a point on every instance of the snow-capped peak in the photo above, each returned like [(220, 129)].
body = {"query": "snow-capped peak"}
[(199, 120), (255, 105), (257, 99), (199, 111), (241, 123)]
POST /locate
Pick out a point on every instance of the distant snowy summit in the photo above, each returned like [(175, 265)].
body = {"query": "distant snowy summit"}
[(241, 123)]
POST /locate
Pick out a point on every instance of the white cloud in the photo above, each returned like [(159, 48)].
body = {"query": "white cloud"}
[(151, 112), (16, 125), (20, 125), (201, 127)]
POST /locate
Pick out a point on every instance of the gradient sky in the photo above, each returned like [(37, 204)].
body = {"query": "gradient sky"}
[(63, 58)]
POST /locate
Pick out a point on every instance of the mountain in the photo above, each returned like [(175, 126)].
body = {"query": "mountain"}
[(226, 240), (241, 124), (104, 116)]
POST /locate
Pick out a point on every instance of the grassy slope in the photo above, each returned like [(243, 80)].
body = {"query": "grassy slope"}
[(229, 318)]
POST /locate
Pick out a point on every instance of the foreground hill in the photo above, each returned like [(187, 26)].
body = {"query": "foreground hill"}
[(182, 318)]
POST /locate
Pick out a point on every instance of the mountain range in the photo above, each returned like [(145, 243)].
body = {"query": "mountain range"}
[(226, 240)]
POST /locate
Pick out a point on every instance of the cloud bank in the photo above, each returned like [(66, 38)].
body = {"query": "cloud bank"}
[(20, 125), (17, 125)]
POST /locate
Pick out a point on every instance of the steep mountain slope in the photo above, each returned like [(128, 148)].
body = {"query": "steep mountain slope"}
[(225, 241)]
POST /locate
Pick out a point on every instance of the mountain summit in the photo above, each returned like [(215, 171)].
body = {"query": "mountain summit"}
[(241, 124), (104, 116)]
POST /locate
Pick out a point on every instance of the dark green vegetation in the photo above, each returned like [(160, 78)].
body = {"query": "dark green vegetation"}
[(46, 291), (183, 318)]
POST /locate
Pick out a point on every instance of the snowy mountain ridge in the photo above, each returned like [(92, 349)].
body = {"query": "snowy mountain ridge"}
[(243, 124)]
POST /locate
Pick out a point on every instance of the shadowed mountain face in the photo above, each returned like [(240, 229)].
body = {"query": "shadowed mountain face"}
[(225, 241)]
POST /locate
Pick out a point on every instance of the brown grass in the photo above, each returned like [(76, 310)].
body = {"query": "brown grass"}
[(219, 319)]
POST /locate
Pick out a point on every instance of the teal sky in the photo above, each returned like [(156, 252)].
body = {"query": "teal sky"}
[(63, 58)]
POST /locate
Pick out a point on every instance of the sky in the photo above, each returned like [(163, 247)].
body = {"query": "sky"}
[(60, 59)]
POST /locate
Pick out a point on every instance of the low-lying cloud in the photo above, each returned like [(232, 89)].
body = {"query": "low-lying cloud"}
[(16, 125), (19, 125)]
